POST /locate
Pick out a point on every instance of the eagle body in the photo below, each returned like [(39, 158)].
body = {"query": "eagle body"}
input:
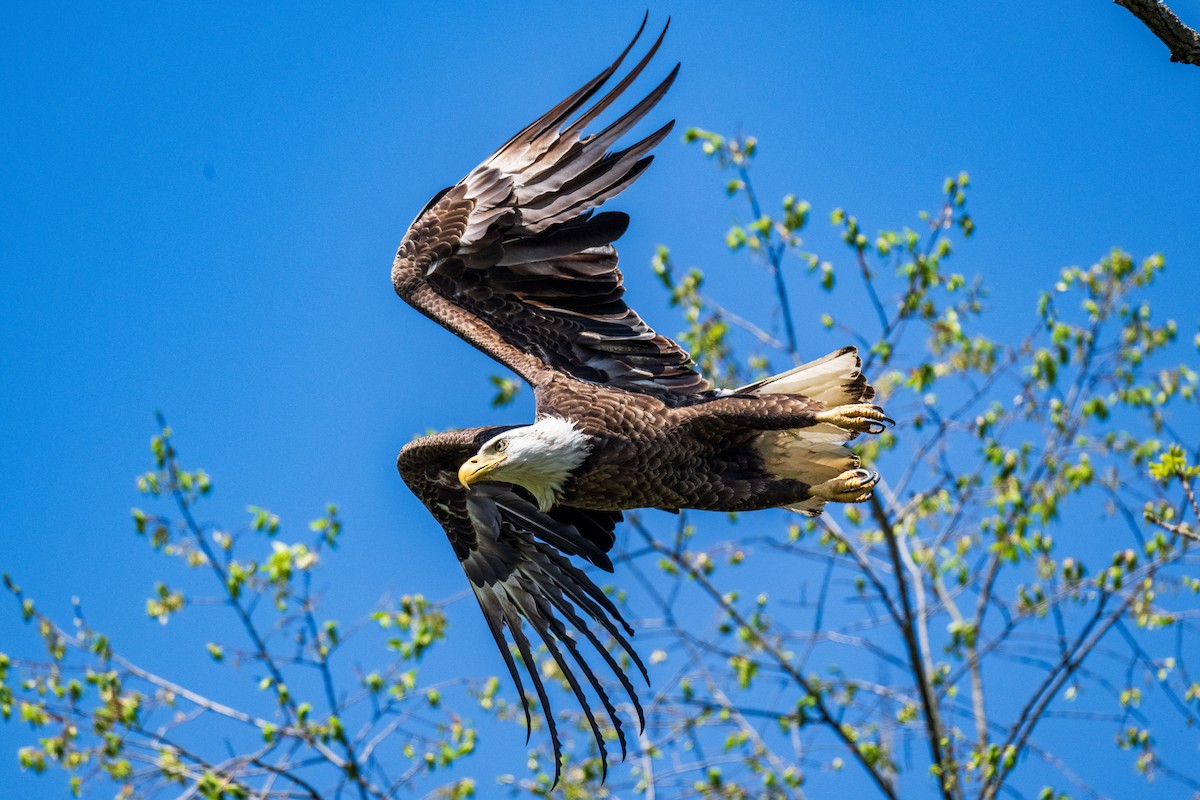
[(516, 260), (699, 455)]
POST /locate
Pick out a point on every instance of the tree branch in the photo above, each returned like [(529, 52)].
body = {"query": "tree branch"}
[(1183, 42), (824, 715), (947, 774)]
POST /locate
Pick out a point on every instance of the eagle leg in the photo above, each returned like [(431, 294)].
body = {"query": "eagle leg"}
[(852, 486), (861, 417)]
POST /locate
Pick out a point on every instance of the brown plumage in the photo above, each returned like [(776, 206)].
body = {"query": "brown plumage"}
[(514, 260)]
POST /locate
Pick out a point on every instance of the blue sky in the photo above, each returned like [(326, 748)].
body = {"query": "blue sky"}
[(199, 207)]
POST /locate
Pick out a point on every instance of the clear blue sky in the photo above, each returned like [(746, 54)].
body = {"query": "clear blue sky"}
[(199, 208)]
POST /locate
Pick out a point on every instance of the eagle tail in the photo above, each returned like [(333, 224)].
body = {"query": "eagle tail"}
[(834, 380), (817, 453)]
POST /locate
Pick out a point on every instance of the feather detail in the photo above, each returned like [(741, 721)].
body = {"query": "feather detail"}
[(513, 555), (817, 453), (514, 260)]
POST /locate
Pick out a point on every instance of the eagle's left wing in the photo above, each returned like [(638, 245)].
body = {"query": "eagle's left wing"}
[(513, 260), (513, 555)]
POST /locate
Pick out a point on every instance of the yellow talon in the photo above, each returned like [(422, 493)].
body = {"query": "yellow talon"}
[(859, 417), (853, 486)]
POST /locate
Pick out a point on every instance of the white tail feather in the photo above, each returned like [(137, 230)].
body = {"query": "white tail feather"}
[(834, 380), (817, 453), (812, 455)]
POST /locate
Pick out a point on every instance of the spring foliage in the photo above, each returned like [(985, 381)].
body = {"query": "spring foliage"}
[(1028, 565)]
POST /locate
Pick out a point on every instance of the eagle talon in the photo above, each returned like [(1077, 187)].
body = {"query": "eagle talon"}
[(853, 486), (859, 417)]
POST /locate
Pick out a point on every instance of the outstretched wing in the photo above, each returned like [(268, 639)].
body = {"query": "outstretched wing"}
[(514, 261), (513, 555)]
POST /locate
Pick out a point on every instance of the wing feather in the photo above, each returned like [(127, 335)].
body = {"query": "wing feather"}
[(515, 260), (566, 609), (512, 554), (552, 147), (564, 537), (542, 620), (493, 615), (512, 619)]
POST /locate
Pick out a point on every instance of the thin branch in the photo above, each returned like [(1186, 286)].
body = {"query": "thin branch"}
[(775, 262), (885, 325), (1035, 709), (244, 616), (781, 658)]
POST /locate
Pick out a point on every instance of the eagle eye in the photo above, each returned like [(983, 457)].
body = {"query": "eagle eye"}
[(500, 446)]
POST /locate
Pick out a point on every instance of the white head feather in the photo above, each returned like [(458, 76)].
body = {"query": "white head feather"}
[(539, 457)]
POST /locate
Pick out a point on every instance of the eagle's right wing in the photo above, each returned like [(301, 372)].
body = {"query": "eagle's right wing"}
[(513, 555)]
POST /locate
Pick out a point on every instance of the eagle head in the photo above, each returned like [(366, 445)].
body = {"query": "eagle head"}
[(538, 457)]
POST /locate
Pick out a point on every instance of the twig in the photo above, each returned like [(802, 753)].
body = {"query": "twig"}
[(1035, 709), (782, 659), (775, 262)]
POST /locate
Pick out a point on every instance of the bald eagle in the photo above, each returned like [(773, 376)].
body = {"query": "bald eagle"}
[(514, 259)]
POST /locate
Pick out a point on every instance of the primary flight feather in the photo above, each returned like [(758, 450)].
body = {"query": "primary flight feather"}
[(515, 260)]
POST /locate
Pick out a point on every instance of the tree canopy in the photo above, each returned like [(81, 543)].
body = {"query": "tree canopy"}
[(1019, 597)]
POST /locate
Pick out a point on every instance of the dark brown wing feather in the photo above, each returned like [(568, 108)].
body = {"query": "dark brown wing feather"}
[(513, 555), (514, 261)]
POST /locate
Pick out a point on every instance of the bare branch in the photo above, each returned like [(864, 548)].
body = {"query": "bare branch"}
[(1183, 42)]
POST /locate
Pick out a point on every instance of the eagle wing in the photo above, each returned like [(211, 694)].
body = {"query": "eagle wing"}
[(513, 260), (514, 557)]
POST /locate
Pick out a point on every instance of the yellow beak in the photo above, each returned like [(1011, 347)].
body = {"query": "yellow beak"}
[(477, 468)]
